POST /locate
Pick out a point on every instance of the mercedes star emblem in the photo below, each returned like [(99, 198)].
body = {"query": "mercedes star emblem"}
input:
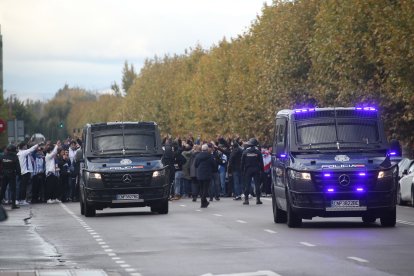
[(127, 178), (344, 180)]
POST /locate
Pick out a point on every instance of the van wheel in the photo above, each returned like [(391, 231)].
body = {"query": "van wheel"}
[(293, 220), (89, 209), (368, 219), (390, 218), (279, 216), (82, 207), (161, 207), (412, 196), (399, 200)]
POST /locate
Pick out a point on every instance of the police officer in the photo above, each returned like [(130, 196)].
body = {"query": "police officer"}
[(11, 168), (252, 167)]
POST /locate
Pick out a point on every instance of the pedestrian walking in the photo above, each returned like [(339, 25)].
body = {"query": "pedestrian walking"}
[(205, 165)]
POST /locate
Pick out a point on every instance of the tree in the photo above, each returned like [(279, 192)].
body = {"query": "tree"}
[(128, 77)]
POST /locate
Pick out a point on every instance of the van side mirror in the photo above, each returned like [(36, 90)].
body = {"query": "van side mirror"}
[(405, 172), (3, 214)]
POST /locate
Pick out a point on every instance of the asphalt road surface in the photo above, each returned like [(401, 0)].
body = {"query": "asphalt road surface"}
[(227, 238)]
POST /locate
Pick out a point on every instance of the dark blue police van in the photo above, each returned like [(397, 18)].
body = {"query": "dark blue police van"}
[(332, 162), (121, 167)]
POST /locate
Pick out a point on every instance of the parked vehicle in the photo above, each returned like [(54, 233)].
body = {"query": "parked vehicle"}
[(332, 162), (404, 165), (121, 167), (406, 187)]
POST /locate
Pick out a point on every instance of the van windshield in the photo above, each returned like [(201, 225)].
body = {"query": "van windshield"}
[(128, 142), (364, 133)]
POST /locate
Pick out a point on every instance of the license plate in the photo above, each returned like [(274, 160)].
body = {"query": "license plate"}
[(345, 203), (127, 197)]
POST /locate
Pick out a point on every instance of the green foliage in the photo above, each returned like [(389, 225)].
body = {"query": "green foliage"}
[(128, 76)]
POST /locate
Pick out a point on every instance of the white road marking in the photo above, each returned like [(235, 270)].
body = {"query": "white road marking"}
[(105, 246), (406, 222), (125, 265), (217, 215), (270, 231), (96, 236), (108, 250), (120, 262), (98, 240), (241, 221), (130, 269), (111, 254), (136, 274), (182, 205), (116, 258), (358, 259), (101, 242), (257, 273), (307, 244), (198, 210), (93, 233)]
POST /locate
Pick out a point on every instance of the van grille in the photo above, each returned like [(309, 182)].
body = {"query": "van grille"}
[(121, 180), (355, 180)]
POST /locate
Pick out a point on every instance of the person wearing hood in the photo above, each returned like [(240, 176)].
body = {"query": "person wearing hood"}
[(205, 165), (252, 167)]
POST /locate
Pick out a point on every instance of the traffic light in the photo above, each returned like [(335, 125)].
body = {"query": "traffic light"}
[(61, 125)]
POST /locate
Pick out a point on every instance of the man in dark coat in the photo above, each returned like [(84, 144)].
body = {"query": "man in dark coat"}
[(234, 169), (205, 165), (11, 168), (252, 167)]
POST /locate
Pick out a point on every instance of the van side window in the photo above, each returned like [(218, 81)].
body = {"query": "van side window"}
[(280, 133), (275, 138)]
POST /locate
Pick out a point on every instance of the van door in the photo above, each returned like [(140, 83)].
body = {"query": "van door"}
[(280, 159)]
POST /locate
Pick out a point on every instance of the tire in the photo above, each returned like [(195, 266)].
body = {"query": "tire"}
[(412, 196), (399, 200), (161, 207), (90, 210), (82, 207), (279, 216), (368, 219), (293, 220), (390, 218)]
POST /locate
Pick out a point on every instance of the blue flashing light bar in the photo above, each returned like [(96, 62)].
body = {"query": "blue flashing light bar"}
[(393, 153), (366, 108), (283, 155), (359, 189), (362, 174), (330, 190), (327, 175)]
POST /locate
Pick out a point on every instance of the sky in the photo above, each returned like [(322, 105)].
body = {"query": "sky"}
[(84, 43)]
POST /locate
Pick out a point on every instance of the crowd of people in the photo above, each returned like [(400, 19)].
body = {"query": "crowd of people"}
[(220, 168), (39, 172), (48, 173)]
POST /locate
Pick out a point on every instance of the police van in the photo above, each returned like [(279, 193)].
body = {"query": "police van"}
[(121, 167), (332, 162)]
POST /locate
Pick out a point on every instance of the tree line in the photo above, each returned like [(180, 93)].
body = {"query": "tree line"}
[(297, 53)]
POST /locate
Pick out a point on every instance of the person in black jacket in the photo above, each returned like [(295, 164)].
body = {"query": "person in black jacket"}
[(205, 165), (252, 167), (11, 168), (234, 169)]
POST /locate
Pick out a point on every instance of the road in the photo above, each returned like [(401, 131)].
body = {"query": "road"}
[(227, 238)]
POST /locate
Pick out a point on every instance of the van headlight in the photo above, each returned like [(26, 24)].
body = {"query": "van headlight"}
[(385, 174), (95, 176), (300, 175), (158, 174)]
